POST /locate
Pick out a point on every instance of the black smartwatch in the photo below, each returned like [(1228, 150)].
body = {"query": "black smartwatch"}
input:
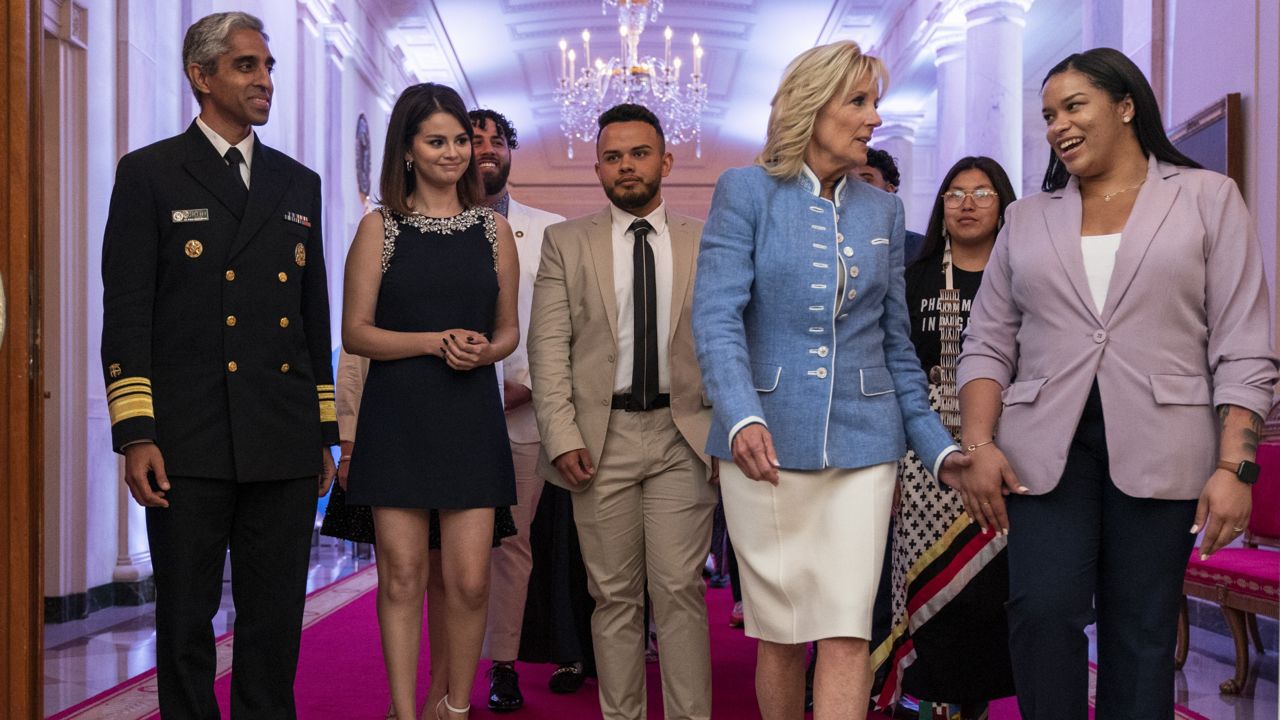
[(1245, 470)]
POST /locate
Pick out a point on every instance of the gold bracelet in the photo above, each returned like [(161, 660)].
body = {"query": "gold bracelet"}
[(975, 446), (344, 457)]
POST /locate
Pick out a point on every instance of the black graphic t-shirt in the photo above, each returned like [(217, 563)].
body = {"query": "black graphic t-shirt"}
[(924, 281)]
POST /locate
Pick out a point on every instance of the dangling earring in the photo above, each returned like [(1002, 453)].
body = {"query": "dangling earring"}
[(408, 165)]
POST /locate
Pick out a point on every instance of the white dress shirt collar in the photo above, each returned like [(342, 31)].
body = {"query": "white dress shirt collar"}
[(623, 219), (222, 146)]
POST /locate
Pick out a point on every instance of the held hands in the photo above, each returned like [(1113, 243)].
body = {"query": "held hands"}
[(327, 472), (1223, 511), (575, 466), (140, 461), (714, 476), (464, 349), (754, 455), (982, 479)]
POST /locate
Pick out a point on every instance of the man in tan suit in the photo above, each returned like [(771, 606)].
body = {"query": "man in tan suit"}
[(618, 397)]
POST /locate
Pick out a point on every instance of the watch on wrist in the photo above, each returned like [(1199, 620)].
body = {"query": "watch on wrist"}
[(1246, 471)]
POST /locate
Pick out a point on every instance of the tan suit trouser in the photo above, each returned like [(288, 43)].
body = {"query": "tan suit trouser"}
[(512, 561), (647, 513)]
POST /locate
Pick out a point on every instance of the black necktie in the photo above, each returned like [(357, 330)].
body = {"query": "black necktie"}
[(234, 158), (644, 294)]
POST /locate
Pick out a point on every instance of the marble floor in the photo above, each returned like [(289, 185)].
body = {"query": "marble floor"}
[(86, 657)]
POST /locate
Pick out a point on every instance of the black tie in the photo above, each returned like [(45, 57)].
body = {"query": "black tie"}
[(234, 158), (644, 294)]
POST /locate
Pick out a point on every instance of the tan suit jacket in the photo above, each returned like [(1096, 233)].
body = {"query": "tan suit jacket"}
[(573, 342)]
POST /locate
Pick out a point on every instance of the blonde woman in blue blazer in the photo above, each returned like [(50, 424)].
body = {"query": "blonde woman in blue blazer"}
[(800, 321)]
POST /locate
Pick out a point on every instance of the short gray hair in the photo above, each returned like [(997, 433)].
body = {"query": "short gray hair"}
[(206, 41)]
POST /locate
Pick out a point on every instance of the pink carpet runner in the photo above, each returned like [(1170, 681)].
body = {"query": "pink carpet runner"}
[(340, 671)]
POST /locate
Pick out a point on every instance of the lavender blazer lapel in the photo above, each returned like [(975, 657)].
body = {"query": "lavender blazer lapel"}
[(1062, 216), (1155, 200)]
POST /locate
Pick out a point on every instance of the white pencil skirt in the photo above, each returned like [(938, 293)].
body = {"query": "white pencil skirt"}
[(810, 549)]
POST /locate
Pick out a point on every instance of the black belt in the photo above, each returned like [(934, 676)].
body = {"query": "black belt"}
[(626, 402)]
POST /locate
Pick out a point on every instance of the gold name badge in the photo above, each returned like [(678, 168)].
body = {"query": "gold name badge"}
[(186, 216)]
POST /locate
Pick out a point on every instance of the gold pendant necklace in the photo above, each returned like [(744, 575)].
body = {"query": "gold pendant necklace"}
[(1107, 197)]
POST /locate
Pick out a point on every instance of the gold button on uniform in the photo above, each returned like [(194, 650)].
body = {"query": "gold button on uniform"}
[(853, 271), (284, 322), (853, 294), (839, 237), (823, 351), (822, 373), (283, 277), (848, 252), (231, 275), (284, 367), (231, 366), (231, 321)]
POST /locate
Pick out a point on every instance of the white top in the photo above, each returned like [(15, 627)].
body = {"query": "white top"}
[(527, 226), (222, 146), (1099, 260), (623, 269)]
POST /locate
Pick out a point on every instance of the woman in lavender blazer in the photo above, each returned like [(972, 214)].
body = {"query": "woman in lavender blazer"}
[(1121, 338)]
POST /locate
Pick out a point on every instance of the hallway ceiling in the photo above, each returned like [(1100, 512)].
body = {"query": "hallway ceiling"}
[(503, 54)]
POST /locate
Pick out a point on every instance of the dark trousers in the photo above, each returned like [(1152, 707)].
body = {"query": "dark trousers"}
[(1084, 552), (268, 527)]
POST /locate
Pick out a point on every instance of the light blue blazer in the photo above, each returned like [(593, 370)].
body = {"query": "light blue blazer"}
[(800, 321)]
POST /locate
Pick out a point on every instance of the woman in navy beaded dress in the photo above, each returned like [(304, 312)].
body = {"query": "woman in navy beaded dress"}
[(430, 298)]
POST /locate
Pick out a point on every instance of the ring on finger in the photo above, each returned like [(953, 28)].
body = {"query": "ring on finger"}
[(1237, 529)]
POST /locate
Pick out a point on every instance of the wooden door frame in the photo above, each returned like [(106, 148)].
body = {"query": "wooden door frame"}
[(21, 490)]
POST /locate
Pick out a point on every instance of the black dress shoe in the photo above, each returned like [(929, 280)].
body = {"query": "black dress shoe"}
[(567, 679), (504, 688)]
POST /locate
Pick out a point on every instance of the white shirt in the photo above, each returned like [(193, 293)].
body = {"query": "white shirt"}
[(1099, 261), (222, 146), (623, 273)]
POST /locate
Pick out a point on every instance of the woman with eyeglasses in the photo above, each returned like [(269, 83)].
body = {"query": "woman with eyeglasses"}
[(950, 578)]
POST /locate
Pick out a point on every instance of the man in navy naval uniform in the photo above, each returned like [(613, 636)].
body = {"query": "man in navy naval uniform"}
[(216, 354)]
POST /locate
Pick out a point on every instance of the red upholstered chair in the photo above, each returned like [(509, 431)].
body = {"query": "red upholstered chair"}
[(1245, 581)]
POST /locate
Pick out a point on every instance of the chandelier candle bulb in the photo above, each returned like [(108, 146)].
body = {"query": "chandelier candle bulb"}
[(631, 77)]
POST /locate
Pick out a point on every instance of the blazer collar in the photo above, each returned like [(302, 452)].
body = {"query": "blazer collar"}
[(683, 256), (684, 244), (812, 185), (600, 247), (1063, 217)]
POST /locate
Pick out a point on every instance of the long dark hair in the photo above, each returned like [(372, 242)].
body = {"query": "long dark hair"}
[(416, 104), (1112, 72), (933, 246)]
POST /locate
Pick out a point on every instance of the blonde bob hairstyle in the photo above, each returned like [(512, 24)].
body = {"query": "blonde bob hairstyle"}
[(809, 82)]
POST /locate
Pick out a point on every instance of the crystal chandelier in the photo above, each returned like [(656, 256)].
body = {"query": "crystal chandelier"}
[(631, 78)]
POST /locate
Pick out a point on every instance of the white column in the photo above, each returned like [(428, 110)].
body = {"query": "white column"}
[(949, 59), (993, 80), (897, 137)]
